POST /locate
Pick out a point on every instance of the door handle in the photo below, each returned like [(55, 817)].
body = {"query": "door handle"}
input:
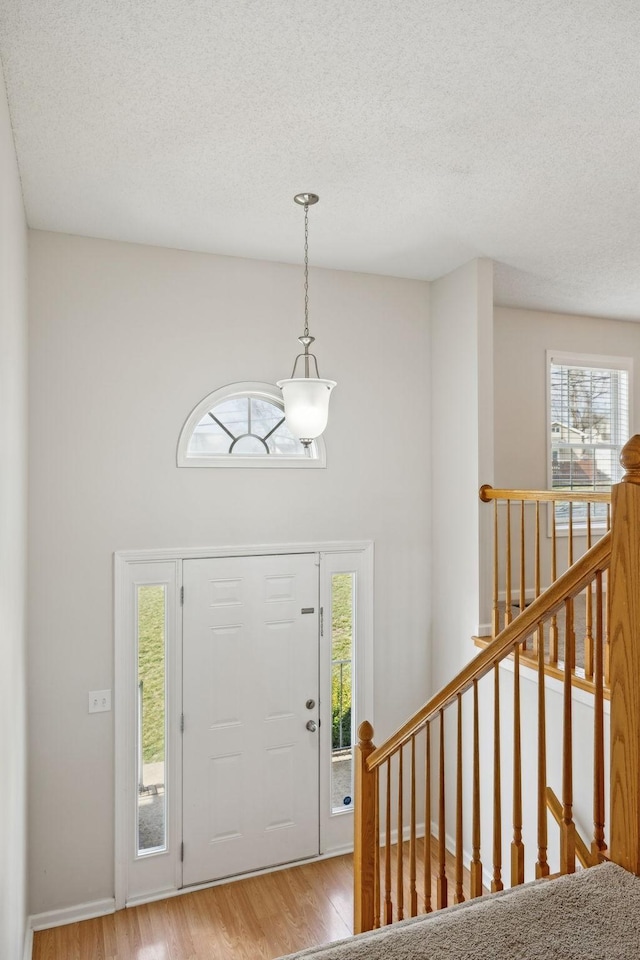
[(312, 726)]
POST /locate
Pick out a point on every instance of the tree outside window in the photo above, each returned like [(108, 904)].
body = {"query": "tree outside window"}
[(589, 425)]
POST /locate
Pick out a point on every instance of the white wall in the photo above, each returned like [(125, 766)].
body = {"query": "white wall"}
[(461, 316), (13, 331), (124, 341)]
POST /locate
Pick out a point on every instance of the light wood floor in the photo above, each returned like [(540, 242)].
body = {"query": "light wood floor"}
[(260, 918)]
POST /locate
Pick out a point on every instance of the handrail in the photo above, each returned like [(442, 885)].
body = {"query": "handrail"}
[(487, 493), (567, 586)]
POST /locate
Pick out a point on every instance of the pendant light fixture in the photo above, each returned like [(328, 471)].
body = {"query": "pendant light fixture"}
[(306, 398)]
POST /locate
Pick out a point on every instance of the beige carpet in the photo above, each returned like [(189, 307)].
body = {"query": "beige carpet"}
[(592, 915)]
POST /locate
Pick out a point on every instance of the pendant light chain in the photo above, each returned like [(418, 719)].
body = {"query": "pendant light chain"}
[(306, 396), (306, 270)]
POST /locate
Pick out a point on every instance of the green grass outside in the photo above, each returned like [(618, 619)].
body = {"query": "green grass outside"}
[(151, 625), (341, 649)]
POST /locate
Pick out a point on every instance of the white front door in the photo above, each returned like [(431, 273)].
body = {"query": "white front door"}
[(250, 667)]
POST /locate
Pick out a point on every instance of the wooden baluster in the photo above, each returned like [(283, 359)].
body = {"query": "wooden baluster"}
[(400, 844), (458, 896), (522, 567), (542, 867), (570, 537), (607, 619), (598, 845), (427, 820), (364, 833), (376, 890), (553, 626), (507, 572), (413, 893), (476, 863), (607, 635), (496, 882), (588, 629), (567, 827), (517, 846), (522, 558), (538, 637), (441, 886), (388, 901), (496, 608), (570, 638)]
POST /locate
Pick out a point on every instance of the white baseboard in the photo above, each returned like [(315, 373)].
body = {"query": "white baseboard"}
[(27, 953), (83, 911)]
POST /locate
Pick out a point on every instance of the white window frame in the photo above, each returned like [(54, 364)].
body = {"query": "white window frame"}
[(155, 871), (596, 361), (336, 826), (263, 391)]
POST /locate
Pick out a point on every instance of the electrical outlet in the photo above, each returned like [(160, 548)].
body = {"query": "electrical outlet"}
[(99, 701)]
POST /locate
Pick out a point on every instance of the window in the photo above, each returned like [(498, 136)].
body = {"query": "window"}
[(589, 399), (342, 623), (243, 425), (151, 727)]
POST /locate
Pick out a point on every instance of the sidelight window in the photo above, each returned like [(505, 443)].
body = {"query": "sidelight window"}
[(342, 720), (151, 719)]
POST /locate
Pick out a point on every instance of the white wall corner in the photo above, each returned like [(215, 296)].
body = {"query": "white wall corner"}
[(461, 314)]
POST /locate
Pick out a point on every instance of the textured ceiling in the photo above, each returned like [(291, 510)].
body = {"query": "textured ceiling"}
[(434, 131)]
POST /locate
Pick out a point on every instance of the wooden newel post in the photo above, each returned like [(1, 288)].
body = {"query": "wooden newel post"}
[(364, 853), (624, 633)]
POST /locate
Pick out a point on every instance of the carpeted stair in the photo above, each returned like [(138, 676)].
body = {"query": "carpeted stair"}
[(591, 915)]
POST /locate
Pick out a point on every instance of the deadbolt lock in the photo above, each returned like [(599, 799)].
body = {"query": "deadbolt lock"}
[(310, 704)]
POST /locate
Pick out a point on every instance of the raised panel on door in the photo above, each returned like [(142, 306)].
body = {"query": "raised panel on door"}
[(250, 765)]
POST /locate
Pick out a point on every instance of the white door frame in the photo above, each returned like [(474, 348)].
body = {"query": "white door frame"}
[(125, 562)]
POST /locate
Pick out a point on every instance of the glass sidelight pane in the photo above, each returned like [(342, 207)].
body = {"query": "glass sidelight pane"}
[(151, 738), (342, 623)]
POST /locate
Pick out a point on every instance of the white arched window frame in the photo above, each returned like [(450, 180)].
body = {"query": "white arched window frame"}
[(314, 457)]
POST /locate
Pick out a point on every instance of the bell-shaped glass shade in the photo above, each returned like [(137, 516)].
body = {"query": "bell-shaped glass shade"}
[(306, 405)]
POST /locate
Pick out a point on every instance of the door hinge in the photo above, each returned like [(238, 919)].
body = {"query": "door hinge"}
[(322, 621), (181, 596), (182, 852), (182, 723)]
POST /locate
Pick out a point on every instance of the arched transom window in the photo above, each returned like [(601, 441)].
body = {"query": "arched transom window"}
[(243, 425)]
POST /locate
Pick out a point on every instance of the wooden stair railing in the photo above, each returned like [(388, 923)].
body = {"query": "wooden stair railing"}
[(524, 562), (618, 552), (378, 768)]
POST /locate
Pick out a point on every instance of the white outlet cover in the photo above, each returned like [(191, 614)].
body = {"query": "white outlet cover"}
[(99, 701)]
